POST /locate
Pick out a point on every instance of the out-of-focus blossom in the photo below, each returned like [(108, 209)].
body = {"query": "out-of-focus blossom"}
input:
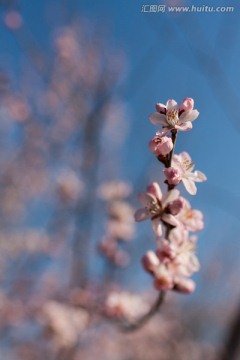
[(150, 261), (161, 146), (125, 305), (114, 190), (109, 248), (13, 20), (183, 285), (17, 108), (69, 186), (181, 170), (32, 241), (120, 210), (120, 230), (156, 207), (192, 219), (65, 322), (120, 225), (12, 312), (172, 117)]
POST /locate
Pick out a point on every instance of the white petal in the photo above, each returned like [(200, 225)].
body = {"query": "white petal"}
[(161, 108), (157, 227), (158, 119), (170, 196), (145, 199), (141, 215), (171, 104), (190, 186), (163, 131), (199, 176), (170, 219), (185, 157), (185, 126), (189, 115), (178, 235), (154, 190), (177, 164)]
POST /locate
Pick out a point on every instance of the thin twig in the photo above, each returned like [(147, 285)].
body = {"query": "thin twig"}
[(131, 326)]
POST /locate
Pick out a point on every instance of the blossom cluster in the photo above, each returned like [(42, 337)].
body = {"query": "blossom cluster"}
[(173, 220), (120, 225)]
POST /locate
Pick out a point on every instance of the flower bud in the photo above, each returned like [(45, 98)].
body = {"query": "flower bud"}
[(187, 104), (163, 279), (176, 206), (161, 145), (172, 175)]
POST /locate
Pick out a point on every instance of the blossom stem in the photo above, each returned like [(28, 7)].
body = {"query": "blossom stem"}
[(170, 187), (174, 139), (131, 326)]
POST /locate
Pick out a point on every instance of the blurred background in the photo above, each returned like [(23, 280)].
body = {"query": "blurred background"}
[(78, 80)]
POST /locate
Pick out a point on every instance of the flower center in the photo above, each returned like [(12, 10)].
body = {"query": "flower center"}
[(172, 117), (188, 165), (154, 208)]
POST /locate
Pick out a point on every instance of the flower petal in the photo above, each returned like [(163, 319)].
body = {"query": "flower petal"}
[(171, 105), (158, 119), (185, 286), (173, 175), (184, 157), (185, 126), (163, 131), (145, 198), (170, 219), (199, 176), (141, 215), (157, 227), (189, 115), (189, 186), (170, 196), (187, 104), (161, 108), (154, 189), (150, 261)]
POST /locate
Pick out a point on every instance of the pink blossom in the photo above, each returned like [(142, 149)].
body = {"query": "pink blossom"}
[(111, 190), (155, 207), (190, 218), (150, 261), (163, 278), (181, 170), (184, 259), (176, 206), (161, 146), (173, 117), (173, 262), (173, 175)]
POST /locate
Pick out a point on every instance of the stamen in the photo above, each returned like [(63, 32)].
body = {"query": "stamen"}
[(172, 117), (154, 208), (188, 165)]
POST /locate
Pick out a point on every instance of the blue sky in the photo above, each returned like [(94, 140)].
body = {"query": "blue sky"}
[(177, 56), (171, 56)]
